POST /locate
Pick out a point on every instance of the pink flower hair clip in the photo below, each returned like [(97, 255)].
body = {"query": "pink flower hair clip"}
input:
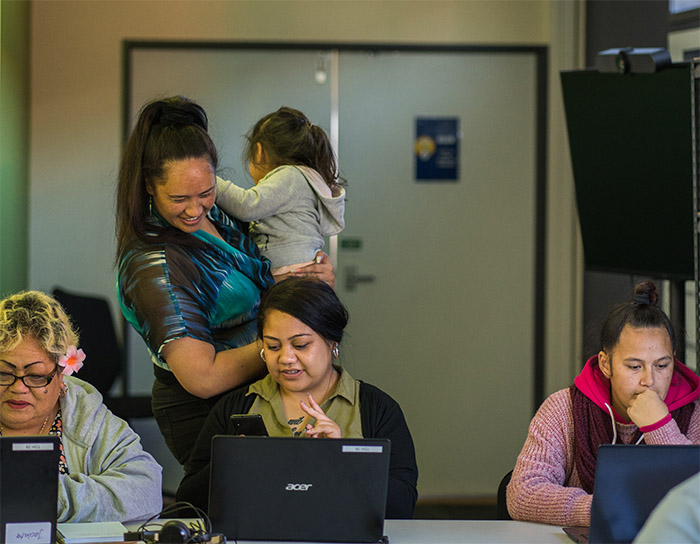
[(72, 361)]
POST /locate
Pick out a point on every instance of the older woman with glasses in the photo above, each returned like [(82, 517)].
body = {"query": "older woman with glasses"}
[(104, 473)]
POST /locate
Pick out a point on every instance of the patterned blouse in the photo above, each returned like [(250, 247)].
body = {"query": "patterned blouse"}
[(209, 291), (57, 430)]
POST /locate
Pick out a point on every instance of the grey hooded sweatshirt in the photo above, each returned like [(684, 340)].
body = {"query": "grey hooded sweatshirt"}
[(291, 210), (111, 477)]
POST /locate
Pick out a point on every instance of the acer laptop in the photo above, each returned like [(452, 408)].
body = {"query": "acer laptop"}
[(629, 482), (28, 489), (299, 489)]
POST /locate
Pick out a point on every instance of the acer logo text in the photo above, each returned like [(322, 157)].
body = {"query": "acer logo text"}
[(298, 487)]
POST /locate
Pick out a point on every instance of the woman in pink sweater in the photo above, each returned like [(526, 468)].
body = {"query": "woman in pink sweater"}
[(632, 392)]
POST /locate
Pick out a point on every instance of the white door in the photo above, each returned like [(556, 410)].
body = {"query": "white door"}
[(446, 324)]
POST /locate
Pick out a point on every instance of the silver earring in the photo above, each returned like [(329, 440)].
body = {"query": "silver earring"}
[(335, 351), (262, 355), (46, 391)]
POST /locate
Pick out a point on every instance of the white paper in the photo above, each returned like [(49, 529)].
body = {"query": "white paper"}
[(20, 533)]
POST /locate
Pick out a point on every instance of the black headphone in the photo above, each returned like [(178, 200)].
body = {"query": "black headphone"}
[(175, 532)]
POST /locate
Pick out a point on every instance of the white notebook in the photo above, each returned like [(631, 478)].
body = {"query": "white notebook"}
[(80, 533)]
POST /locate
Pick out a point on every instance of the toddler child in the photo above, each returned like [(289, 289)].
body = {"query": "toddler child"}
[(296, 200)]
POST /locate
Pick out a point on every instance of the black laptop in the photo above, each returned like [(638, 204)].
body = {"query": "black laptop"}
[(28, 489), (299, 489), (629, 482)]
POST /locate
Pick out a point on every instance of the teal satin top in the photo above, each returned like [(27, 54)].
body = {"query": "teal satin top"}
[(209, 290)]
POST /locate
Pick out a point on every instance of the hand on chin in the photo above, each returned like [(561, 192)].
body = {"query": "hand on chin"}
[(646, 408)]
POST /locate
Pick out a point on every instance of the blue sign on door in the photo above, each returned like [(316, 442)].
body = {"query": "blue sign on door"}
[(437, 148)]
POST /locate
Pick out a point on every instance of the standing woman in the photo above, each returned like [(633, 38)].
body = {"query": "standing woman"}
[(189, 280), (632, 392)]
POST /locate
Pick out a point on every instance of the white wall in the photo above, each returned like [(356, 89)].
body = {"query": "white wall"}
[(76, 107)]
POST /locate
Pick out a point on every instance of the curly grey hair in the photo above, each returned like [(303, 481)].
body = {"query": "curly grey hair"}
[(36, 315)]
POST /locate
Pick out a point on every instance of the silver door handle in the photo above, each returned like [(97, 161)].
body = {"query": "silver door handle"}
[(353, 278)]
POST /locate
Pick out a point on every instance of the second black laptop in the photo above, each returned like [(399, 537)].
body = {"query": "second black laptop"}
[(299, 489)]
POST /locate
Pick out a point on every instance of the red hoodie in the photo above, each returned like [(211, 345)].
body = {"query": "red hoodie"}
[(684, 388)]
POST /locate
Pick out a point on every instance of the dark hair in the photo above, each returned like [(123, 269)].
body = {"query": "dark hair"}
[(169, 129), (288, 137), (641, 312), (311, 301)]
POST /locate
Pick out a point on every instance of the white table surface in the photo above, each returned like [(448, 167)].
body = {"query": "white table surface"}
[(426, 531), (471, 531)]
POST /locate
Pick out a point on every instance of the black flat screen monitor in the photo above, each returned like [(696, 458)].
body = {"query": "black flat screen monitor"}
[(631, 143)]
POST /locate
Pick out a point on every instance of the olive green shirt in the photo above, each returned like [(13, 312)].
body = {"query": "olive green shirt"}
[(343, 407)]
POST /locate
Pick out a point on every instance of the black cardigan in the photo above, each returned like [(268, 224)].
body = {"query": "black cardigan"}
[(381, 418)]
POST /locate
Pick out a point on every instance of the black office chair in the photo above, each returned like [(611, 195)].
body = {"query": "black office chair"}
[(501, 506), (104, 361)]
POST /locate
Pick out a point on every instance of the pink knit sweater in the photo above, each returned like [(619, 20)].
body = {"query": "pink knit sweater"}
[(545, 486)]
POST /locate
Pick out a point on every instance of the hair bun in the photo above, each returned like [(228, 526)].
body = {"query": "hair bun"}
[(171, 116), (645, 293), (183, 113)]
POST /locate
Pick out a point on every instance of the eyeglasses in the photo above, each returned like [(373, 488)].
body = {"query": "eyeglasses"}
[(30, 380)]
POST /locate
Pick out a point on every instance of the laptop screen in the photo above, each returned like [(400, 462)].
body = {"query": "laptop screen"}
[(28, 488), (264, 488), (630, 481)]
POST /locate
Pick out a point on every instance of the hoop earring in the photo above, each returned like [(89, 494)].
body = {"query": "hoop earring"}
[(335, 351), (262, 355)]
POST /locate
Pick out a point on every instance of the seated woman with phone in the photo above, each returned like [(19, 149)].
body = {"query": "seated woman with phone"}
[(300, 324)]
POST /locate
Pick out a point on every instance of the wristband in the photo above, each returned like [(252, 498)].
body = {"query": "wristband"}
[(658, 424)]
